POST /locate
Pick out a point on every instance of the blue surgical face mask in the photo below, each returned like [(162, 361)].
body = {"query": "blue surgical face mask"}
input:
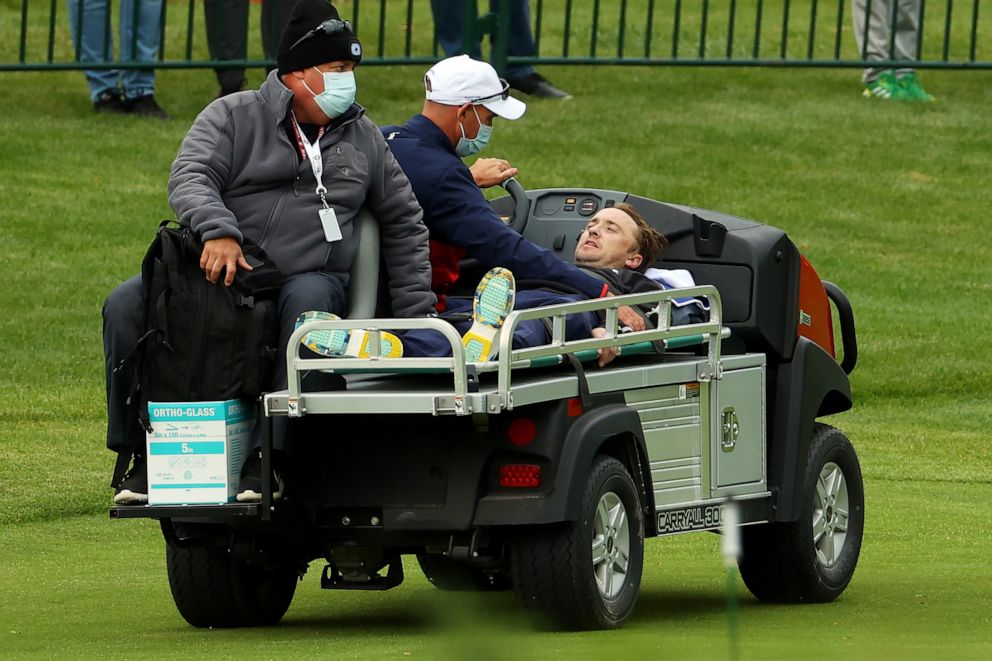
[(466, 146), (339, 92)]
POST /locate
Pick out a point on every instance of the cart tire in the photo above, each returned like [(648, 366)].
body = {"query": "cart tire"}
[(555, 572), (213, 589), (451, 575), (788, 562)]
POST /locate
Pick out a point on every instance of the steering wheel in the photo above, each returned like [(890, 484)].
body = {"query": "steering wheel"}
[(521, 205)]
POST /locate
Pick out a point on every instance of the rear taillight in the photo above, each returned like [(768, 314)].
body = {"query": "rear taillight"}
[(521, 476)]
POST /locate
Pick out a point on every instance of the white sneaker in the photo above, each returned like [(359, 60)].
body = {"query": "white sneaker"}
[(345, 343), (250, 484), (492, 303)]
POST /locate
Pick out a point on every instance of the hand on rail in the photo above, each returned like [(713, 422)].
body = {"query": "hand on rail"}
[(606, 354), (630, 317)]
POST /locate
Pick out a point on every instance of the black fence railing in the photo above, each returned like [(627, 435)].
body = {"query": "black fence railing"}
[(39, 34)]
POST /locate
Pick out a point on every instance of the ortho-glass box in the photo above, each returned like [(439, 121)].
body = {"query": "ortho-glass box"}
[(195, 450)]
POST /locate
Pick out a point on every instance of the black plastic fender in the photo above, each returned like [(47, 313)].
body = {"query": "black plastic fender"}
[(812, 384), (583, 441)]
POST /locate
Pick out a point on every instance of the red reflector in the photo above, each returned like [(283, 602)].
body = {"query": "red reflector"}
[(574, 407), (520, 475), (521, 431)]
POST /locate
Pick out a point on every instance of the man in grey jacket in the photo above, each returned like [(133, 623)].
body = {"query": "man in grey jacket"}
[(287, 167)]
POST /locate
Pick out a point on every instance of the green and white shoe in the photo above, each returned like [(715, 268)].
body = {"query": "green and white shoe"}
[(345, 343), (492, 303), (913, 90), (885, 87)]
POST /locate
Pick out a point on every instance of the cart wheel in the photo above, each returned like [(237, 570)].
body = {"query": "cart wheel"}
[(447, 574), (585, 574), (812, 559), (213, 589)]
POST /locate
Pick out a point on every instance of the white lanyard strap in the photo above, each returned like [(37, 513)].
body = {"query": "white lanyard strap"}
[(312, 153)]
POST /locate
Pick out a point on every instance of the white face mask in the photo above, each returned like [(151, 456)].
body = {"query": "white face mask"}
[(339, 92)]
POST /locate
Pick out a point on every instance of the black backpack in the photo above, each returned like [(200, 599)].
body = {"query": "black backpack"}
[(202, 341)]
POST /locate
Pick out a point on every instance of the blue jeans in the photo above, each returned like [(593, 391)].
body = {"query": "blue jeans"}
[(449, 20), (89, 22), (530, 333)]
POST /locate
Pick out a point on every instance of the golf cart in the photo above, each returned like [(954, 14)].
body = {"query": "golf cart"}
[(541, 472)]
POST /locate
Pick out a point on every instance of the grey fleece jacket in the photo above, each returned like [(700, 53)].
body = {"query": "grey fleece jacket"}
[(238, 175)]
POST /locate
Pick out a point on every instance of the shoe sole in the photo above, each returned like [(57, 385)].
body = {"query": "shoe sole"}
[(492, 303), (128, 497), (343, 343), (252, 496)]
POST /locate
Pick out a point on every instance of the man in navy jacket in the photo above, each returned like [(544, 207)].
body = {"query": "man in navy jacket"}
[(463, 98)]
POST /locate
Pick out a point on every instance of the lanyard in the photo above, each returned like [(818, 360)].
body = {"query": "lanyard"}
[(311, 152)]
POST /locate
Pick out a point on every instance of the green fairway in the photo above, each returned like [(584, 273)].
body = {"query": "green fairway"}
[(918, 594), (889, 201)]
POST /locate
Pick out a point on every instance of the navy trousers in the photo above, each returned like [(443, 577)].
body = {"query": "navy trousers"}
[(531, 333)]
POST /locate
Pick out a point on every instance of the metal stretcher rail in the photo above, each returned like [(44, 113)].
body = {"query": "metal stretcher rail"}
[(292, 401)]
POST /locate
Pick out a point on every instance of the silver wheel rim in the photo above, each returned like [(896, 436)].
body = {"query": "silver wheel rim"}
[(610, 545), (831, 513)]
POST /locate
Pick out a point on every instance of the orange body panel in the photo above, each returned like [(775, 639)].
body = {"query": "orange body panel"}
[(815, 322)]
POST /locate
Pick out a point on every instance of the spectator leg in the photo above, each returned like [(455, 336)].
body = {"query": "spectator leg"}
[(449, 22), (878, 33), (227, 38), (144, 17), (907, 37), (275, 16), (520, 40), (88, 23)]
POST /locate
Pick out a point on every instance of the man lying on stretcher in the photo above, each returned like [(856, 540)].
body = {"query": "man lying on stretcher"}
[(617, 245)]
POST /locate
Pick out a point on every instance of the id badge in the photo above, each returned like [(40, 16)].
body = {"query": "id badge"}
[(329, 221)]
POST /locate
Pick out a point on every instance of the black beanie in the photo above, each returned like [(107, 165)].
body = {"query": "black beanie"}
[(317, 48)]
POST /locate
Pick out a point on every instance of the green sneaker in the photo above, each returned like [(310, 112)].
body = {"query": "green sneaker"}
[(911, 87), (885, 87)]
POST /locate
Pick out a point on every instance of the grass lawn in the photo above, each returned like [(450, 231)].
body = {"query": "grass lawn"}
[(890, 201), (920, 593)]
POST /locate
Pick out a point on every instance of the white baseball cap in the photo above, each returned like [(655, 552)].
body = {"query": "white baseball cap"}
[(458, 80)]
